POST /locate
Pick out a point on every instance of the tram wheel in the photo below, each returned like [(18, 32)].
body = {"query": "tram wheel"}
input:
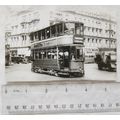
[(36, 70), (40, 70), (56, 74), (70, 75)]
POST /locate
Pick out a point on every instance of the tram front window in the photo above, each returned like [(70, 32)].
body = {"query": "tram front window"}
[(73, 53), (69, 28), (79, 53), (76, 53), (79, 30)]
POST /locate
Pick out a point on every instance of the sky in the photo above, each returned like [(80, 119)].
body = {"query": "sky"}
[(11, 9)]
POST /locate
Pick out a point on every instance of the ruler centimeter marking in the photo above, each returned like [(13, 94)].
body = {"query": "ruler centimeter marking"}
[(60, 98)]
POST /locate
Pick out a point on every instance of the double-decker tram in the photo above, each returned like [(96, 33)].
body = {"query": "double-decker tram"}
[(59, 49)]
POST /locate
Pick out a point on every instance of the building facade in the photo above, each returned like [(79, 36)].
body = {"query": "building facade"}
[(99, 31)]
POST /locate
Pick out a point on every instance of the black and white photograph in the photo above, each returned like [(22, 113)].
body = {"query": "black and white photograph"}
[(57, 43), (60, 59)]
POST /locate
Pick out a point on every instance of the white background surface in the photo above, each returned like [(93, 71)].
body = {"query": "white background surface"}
[(43, 2)]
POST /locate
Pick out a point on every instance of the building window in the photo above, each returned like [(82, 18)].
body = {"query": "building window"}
[(85, 40), (106, 41), (88, 28), (92, 40), (96, 29), (96, 40), (25, 37), (100, 30), (99, 22), (23, 26), (92, 29), (16, 26), (22, 37), (88, 40), (114, 42)]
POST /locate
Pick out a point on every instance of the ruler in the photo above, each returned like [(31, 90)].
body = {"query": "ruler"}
[(60, 98)]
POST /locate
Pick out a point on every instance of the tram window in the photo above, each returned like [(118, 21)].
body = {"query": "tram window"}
[(60, 54), (43, 34), (40, 55), (66, 54), (79, 29), (69, 28), (48, 54), (59, 29), (53, 31), (48, 33), (44, 55), (36, 35), (31, 37), (39, 35), (79, 53), (53, 54), (36, 54), (32, 54), (73, 53)]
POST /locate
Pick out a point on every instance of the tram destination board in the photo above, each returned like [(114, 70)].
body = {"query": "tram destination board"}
[(61, 98)]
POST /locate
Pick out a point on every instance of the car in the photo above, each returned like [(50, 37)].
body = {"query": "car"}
[(18, 59), (106, 59)]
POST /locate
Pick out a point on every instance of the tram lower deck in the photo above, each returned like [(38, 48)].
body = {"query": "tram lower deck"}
[(65, 60)]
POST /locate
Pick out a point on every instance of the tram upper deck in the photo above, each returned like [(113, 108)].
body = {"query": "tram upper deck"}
[(58, 34)]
